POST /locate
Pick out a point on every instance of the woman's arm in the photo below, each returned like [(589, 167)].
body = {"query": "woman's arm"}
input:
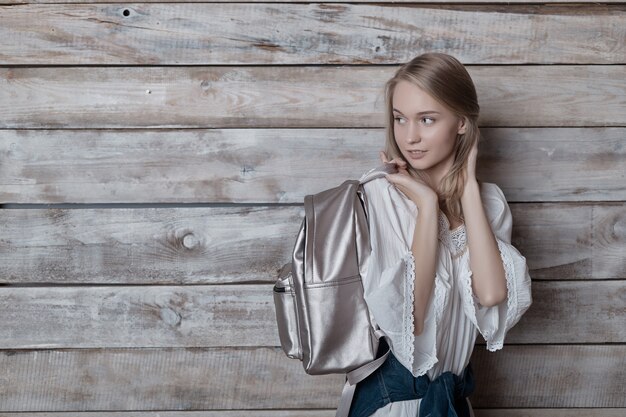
[(488, 275), (425, 237), (424, 249)]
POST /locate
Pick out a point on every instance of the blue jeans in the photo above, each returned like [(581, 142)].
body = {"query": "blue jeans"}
[(444, 396)]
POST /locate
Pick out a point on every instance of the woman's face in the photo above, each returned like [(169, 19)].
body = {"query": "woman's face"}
[(422, 123)]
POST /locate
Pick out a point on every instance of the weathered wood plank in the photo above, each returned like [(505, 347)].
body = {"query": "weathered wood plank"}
[(609, 247), (196, 245), (314, 33), (303, 1), (243, 315), (97, 97), (555, 372), (499, 412), (573, 312), (535, 164), (188, 166), (204, 379), (205, 245), (283, 165)]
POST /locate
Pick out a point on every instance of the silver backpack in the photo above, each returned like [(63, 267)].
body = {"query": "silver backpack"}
[(322, 317)]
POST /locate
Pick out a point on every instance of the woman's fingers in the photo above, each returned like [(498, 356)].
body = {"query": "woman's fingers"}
[(397, 176), (398, 161)]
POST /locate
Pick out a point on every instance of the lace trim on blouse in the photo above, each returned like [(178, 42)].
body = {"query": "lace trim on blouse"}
[(471, 300), (455, 239), (407, 314), (511, 287), (440, 301), (408, 340)]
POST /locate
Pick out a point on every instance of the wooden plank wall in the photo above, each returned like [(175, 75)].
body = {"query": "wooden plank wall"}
[(153, 161)]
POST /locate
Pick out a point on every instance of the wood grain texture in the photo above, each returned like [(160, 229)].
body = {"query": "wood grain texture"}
[(274, 96), (205, 245), (137, 310), (314, 33), (284, 165), (244, 315), (230, 379), (554, 374), (181, 166), (147, 246)]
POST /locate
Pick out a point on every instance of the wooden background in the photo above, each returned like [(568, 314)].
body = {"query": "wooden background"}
[(153, 162)]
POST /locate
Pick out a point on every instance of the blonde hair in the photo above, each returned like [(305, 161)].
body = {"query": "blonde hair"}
[(444, 78)]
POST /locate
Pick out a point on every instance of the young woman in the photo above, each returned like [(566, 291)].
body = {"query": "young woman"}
[(442, 267)]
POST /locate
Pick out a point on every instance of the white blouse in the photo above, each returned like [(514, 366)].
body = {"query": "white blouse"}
[(454, 315)]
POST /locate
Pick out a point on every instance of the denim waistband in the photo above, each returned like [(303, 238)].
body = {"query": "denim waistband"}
[(442, 397)]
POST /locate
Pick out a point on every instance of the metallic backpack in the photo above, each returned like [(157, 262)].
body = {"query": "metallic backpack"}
[(322, 316)]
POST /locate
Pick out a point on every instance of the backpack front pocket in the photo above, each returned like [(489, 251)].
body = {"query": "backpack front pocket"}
[(287, 316)]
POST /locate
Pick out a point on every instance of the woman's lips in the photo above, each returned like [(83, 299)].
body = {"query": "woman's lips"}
[(417, 155)]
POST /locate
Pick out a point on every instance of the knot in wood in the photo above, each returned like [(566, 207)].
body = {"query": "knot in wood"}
[(190, 241)]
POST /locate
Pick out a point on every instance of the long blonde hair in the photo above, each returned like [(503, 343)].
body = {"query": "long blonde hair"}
[(443, 77)]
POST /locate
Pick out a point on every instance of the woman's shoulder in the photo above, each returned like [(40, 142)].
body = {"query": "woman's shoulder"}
[(490, 191), (488, 186), (495, 203), (373, 186)]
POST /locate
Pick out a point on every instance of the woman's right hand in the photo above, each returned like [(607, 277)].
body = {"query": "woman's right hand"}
[(415, 189)]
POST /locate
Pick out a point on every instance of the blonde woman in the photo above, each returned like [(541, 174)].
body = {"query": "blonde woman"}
[(443, 268)]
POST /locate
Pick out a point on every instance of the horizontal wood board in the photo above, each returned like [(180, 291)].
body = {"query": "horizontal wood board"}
[(293, 96), (550, 376), (313, 33), (205, 245), (244, 315), (284, 165)]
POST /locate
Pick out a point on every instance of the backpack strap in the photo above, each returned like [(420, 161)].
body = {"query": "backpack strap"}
[(362, 372), (358, 375)]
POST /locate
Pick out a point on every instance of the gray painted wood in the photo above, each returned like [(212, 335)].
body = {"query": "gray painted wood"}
[(154, 347), (244, 315), (190, 245), (314, 33), (272, 96), (204, 245), (548, 376), (283, 165)]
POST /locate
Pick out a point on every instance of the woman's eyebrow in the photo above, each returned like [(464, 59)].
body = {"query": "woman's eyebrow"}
[(422, 112)]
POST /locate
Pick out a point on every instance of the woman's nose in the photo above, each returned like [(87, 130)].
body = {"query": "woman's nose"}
[(413, 135)]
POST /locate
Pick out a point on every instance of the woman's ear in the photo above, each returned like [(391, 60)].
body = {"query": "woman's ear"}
[(462, 126)]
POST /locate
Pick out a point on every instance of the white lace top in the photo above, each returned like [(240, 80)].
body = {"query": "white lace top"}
[(454, 316)]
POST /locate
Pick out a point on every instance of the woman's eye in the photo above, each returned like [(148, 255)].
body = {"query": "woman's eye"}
[(397, 119), (429, 118)]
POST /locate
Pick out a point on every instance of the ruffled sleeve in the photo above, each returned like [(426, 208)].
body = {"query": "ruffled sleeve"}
[(494, 322), (390, 278)]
